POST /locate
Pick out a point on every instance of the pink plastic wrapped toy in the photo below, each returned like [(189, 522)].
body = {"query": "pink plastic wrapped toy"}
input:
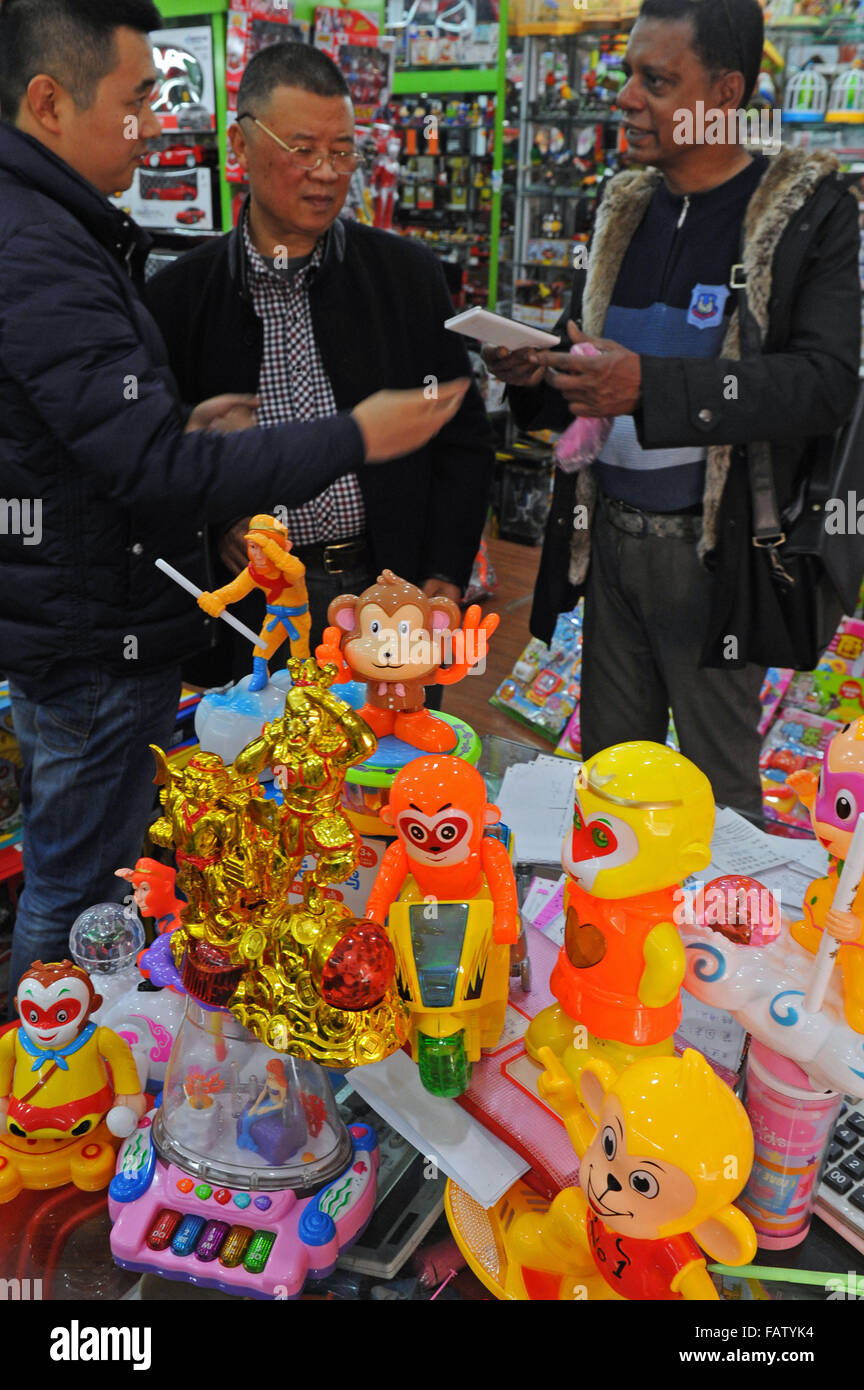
[(582, 441)]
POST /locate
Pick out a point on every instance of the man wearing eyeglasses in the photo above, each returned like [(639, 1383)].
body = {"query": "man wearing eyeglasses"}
[(306, 310), (676, 594)]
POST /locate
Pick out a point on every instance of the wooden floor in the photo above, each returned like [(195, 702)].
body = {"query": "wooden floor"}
[(516, 567)]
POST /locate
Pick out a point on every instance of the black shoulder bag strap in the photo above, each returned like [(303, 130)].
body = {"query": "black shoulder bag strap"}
[(768, 529)]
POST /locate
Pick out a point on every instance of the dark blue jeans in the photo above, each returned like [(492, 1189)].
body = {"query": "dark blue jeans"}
[(87, 794)]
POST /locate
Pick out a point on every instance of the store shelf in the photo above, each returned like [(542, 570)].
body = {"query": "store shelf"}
[(433, 81), (540, 192), (822, 125), (579, 118), (191, 9)]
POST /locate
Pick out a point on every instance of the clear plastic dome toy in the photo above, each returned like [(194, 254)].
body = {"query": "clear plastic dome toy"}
[(236, 1113), (106, 938)]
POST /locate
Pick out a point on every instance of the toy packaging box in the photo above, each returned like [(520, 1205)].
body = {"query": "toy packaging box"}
[(542, 690), (172, 200), (253, 25), (546, 251), (335, 27), (796, 741), (835, 690), (774, 688)]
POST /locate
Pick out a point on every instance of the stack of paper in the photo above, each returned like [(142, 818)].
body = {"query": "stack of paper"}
[(536, 801)]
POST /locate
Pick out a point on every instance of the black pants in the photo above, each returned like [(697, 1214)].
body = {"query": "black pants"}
[(646, 609)]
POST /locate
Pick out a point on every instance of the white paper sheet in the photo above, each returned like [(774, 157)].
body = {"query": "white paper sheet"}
[(536, 801), (475, 1159)]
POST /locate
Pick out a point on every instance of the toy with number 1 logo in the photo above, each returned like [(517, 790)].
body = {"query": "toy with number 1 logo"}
[(665, 1148)]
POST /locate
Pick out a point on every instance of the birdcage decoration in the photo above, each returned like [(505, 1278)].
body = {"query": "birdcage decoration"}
[(846, 102), (805, 96)]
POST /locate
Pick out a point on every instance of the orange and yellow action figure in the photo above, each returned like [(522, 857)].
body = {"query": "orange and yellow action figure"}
[(665, 1147), (282, 577), (835, 799), (66, 1086), (642, 822), (447, 894)]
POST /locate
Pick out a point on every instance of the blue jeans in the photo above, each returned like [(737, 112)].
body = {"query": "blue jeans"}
[(87, 793)]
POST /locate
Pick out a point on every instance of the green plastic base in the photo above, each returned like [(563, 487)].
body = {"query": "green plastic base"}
[(444, 1068)]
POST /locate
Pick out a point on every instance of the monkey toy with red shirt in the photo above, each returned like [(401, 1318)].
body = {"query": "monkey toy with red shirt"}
[(393, 637), (67, 1086), (665, 1148), (447, 895)]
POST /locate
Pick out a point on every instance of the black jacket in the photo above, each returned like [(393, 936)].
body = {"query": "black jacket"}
[(92, 427), (797, 392), (378, 304)]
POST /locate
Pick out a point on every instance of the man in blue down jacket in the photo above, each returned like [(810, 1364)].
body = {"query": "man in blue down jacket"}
[(102, 468)]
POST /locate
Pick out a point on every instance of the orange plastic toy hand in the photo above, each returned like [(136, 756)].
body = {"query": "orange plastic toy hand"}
[(556, 1086), (474, 638), (843, 926), (329, 651), (284, 561), (804, 784), (211, 603)]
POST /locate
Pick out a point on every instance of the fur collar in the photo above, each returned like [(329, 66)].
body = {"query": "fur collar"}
[(789, 180)]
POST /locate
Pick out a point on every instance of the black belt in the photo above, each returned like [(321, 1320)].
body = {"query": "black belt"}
[(335, 557), (683, 525)]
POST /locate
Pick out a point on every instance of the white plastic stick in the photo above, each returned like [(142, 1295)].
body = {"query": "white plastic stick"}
[(844, 897), (193, 589)]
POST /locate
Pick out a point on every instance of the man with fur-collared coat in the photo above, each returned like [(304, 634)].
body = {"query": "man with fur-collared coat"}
[(657, 532)]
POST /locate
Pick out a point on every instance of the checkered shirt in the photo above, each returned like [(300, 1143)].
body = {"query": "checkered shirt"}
[(293, 385)]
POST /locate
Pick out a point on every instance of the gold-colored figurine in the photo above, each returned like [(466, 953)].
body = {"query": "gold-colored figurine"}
[(306, 978)]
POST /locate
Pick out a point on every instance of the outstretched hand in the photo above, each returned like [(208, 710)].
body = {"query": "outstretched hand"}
[(608, 384), (225, 414)]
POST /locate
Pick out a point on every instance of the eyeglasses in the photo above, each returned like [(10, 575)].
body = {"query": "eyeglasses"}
[(342, 163)]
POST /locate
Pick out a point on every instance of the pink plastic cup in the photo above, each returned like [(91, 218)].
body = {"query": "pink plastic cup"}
[(792, 1124)]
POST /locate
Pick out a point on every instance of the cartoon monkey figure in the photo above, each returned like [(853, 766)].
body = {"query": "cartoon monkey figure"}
[(54, 1081), (665, 1148), (643, 816), (282, 577), (439, 810), (835, 800), (392, 637)]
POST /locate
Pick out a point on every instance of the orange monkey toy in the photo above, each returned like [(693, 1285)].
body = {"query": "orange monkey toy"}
[(282, 577), (439, 811), (455, 926)]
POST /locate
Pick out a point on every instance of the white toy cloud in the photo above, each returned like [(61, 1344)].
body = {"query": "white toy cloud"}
[(763, 987)]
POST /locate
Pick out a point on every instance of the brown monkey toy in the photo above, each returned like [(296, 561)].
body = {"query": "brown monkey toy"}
[(393, 637)]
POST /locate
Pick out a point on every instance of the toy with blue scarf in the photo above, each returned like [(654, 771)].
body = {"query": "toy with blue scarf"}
[(273, 569), (66, 1085)]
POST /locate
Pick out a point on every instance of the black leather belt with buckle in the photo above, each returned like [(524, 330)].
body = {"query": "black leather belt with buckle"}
[(336, 557), (685, 525)]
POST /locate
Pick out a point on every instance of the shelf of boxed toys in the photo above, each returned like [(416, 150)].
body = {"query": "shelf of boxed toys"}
[(563, 61)]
